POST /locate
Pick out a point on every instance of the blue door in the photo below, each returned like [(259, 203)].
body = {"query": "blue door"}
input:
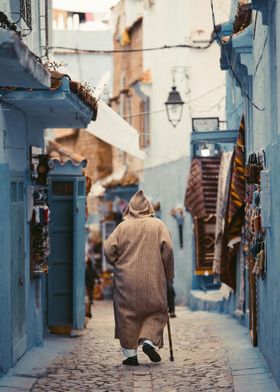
[(79, 239), (17, 266), (60, 275), (66, 261)]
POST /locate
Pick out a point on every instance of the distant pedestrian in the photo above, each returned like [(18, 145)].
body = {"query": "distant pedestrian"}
[(140, 249), (91, 277)]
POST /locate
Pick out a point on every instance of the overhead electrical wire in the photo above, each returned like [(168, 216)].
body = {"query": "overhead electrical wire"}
[(164, 110), (132, 50), (229, 62)]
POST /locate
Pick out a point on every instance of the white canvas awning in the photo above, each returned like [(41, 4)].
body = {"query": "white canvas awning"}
[(114, 130)]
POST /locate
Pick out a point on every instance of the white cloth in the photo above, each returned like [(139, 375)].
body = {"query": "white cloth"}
[(131, 352), (114, 130), (142, 341)]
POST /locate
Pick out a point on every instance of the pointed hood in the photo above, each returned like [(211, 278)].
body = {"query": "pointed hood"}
[(139, 207)]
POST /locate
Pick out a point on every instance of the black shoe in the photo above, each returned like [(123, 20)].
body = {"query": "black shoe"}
[(131, 361), (151, 352), (172, 315)]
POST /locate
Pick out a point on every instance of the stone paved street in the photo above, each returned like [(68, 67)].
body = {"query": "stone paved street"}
[(212, 353), (95, 365)]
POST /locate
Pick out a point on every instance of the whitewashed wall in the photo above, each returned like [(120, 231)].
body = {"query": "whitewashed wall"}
[(169, 155)]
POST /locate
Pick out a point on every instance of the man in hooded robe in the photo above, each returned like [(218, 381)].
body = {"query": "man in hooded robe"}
[(140, 249)]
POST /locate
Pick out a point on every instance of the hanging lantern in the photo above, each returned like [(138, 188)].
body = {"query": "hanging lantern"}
[(174, 106)]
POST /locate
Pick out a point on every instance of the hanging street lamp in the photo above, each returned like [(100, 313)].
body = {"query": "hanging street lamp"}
[(174, 106)]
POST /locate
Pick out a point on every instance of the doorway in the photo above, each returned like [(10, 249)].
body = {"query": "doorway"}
[(19, 341)]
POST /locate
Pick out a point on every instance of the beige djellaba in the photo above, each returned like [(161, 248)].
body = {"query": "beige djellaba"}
[(140, 249)]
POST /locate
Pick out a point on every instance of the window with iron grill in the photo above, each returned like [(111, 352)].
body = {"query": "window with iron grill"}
[(26, 12)]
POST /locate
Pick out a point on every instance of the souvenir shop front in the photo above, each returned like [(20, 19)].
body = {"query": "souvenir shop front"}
[(205, 199), (229, 234), (242, 219), (30, 212)]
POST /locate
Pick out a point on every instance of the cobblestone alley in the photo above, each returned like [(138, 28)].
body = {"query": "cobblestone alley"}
[(209, 356)]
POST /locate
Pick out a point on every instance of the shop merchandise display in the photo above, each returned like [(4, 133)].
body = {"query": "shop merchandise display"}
[(39, 227), (40, 214), (255, 235)]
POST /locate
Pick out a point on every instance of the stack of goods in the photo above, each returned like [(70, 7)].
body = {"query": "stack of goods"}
[(254, 245)]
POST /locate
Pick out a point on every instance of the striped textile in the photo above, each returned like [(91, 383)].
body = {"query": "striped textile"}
[(201, 192), (194, 198), (237, 190), (221, 207), (235, 211), (200, 201)]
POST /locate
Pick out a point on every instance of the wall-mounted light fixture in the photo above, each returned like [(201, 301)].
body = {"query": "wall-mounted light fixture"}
[(174, 106), (203, 147), (205, 151)]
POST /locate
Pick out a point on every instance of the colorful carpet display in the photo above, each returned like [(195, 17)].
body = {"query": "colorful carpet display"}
[(200, 201), (235, 212), (215, 198), (221, 207)]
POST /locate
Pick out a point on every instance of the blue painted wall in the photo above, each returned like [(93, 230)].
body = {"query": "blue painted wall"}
[(263, 132), (265, 135), (269, 288), (167, 183), (5, 270), (17, 133)]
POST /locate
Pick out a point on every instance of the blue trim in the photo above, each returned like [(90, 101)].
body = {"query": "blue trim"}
[(66, 169), (225, 58), (226, 29), (264, 7), (125, 192), (242, 58), (229, 136), (18, 66), (5, 272), (60, 108)]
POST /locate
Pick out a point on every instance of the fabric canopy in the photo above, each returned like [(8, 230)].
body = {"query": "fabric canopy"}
[(114, 130)]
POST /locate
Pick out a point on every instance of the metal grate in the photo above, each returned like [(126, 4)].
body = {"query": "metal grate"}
[(26, 12)]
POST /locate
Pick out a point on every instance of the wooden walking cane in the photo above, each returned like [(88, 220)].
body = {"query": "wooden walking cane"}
[(170, 340), (168, 324)]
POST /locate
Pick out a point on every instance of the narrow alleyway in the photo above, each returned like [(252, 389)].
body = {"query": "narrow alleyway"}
[(95, 365), (204, 360), (201, 362)]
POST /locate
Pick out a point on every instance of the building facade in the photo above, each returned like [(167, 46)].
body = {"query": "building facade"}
[(32, 99), (22, 322), (251, 60), (142, 84), (84, 31)]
